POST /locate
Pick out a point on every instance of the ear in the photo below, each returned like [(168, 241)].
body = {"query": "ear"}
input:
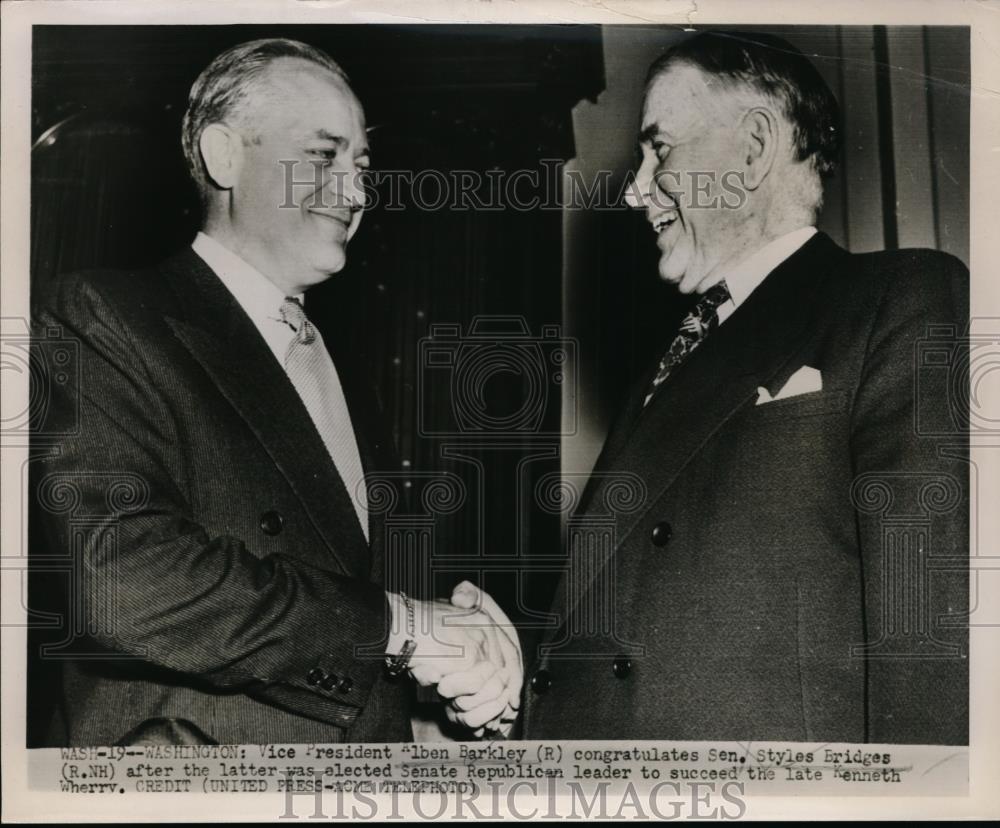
[(760, 129), (222, 151)]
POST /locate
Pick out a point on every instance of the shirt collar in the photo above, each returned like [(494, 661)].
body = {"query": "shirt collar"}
[(746, 277), (256, 294)]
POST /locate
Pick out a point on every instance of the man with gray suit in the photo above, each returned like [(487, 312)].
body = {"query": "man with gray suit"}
[(792, 565), (230, 573)]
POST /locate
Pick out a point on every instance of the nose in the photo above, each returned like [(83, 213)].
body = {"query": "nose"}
[(345, 190), (637, 194), (354, 191), (632, 196)]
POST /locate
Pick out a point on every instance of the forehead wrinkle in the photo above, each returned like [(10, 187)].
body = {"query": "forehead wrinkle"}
[(681, 97), (291, 85)]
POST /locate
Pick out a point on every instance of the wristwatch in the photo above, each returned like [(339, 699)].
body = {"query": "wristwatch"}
[(396, 664)]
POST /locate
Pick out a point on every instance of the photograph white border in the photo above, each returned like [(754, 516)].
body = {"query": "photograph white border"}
[(18, 16)]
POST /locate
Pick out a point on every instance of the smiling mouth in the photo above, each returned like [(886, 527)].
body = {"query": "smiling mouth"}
[(339, 219), (663, 221)]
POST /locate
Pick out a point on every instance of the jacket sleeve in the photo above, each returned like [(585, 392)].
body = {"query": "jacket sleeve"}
[(152, 583), (911, 495)]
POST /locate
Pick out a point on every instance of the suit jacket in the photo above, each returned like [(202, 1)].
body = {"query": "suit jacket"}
[(219, 574), (788, 571)]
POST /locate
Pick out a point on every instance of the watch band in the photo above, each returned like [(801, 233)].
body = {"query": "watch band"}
[(396, 664)]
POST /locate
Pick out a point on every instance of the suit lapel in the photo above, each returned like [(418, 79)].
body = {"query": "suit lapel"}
[(618, 433), (223, 339), (753, 348)]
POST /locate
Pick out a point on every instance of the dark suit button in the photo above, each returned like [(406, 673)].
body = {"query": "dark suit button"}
[(345, 685), (329, 683), (541, 681), (621, 667), (315, 676), (662, 533), (271, 522)]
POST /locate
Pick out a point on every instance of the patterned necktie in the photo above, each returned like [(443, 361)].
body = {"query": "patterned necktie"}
[(312, 372), (701, 321)]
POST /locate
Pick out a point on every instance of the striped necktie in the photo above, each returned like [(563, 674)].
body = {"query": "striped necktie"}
[(312, 372)]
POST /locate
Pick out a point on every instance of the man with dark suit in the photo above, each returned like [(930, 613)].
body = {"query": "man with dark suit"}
[(788, 559), (229, 572)]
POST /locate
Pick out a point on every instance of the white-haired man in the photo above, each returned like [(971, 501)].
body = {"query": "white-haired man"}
[(792, 567)]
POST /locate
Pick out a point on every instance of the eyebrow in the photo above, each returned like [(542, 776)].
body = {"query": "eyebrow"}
[(647, 134), (323, 135), (340, 141)]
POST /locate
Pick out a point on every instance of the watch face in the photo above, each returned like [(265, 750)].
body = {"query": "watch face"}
[(396, 664)]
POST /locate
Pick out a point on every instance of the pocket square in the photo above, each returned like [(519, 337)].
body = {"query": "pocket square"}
[(804, 381)]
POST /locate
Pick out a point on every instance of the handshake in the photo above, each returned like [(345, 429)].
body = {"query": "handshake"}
[(468, 649)]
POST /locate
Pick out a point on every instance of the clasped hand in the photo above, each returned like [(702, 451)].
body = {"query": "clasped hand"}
[(469, 649)]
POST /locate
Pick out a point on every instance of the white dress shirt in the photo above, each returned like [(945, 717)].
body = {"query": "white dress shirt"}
[(262, 300), (255, 293), (746, 277)]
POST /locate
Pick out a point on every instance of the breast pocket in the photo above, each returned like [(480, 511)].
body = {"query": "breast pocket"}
[(813, 404)]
